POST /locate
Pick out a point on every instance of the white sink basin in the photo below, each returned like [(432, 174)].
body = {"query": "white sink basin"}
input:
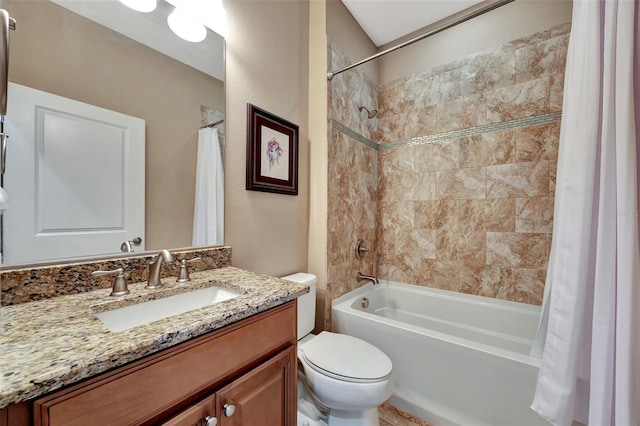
[(154, 310)]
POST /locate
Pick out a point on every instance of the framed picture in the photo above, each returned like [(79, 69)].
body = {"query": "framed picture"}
[(272, 153)]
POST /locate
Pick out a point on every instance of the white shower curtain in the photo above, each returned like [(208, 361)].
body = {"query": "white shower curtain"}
[(589, 337), (208, 214)]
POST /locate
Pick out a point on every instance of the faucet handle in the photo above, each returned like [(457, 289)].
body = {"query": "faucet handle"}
[(119, 284), (361, 249), (183, 274)]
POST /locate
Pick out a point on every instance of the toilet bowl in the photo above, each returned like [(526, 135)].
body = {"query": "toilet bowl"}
[(345, 375)]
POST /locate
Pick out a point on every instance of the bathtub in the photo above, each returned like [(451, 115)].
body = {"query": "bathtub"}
[(458, 359)]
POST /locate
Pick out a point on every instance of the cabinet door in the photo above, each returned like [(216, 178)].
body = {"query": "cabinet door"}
[(196, 415), (265, 396)]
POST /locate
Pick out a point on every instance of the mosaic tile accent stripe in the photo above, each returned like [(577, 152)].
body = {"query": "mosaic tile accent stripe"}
[(454, 134), (354, 135)]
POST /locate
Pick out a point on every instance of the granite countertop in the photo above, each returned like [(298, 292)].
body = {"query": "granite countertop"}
[(55, 342)]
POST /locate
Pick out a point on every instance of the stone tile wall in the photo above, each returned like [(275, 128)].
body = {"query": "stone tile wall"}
[(472, 213), (459, 192), (352, 203)]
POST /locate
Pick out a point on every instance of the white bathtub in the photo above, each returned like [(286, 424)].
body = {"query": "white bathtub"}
[(457, 359)]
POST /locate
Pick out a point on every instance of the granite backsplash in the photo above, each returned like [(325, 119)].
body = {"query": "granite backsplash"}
[(28, 284)]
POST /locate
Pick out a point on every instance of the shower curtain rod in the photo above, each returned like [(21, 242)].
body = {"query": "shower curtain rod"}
[(213, 124), (446, 24)]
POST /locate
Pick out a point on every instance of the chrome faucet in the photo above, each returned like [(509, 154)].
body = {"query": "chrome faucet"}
[(362, 277), (154, 268)]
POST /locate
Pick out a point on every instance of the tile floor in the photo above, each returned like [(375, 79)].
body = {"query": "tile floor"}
[(392, 416)]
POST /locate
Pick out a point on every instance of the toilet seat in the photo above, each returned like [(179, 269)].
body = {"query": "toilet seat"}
[(346, 358)]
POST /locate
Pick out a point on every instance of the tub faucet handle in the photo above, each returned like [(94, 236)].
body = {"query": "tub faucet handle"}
[(361, 249), (119, 284)]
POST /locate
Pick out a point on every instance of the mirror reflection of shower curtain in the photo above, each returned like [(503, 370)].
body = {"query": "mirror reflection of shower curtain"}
[(208, 214)]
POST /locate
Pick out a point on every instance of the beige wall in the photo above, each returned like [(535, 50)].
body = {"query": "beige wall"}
[(344, 31), (510, 22), (61, 53), (267, 64)]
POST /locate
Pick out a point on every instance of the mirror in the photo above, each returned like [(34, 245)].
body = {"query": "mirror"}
[(104, 54)]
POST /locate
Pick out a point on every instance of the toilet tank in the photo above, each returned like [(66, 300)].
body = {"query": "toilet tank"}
[(306, 302)]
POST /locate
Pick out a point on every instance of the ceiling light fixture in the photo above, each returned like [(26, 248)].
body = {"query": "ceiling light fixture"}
[(210, 13), (141, 5), (185, 27), (215, 17)]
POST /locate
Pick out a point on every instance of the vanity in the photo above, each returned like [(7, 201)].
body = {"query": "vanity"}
[(230, 363)]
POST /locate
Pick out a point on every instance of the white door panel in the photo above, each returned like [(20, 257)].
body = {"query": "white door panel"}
[(75, 176)]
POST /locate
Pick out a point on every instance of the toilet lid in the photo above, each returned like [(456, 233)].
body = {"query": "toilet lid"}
[(346, 357)]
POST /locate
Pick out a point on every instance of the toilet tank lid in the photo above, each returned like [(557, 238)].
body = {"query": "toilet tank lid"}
[(302, 278)]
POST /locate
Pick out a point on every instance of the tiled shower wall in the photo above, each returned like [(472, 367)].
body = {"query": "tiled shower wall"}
[(466, 192), (452, 184), (352, 203)]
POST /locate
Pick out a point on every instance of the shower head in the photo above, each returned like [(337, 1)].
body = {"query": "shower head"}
[(370, 114)]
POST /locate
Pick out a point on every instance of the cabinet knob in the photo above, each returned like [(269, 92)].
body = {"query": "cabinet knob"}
[(229, 409), (210, 421)]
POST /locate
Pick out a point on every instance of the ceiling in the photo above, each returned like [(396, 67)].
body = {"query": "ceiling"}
[(387, 20), (383, 20), (151, 29)]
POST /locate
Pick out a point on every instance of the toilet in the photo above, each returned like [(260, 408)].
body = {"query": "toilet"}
[(344, 375)]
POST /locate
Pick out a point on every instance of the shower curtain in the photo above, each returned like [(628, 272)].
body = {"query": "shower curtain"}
[(589, 336), (208, 214)]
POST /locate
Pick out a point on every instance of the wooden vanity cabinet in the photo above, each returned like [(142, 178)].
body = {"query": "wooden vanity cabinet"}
[(250, 365), (260, 397)]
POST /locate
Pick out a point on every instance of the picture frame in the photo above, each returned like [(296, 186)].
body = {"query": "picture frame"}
[(272, 153)]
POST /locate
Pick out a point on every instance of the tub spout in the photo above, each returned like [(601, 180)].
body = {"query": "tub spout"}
[(362, 277)]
